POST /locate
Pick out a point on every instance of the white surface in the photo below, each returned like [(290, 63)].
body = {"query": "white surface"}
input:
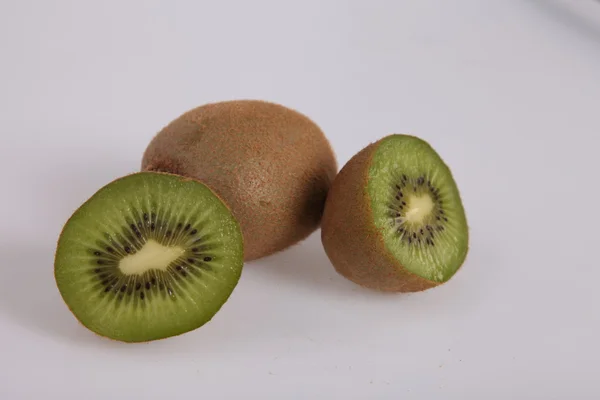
[(507, 91)]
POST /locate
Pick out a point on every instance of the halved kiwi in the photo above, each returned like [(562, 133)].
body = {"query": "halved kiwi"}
[(394, 219), (149, 256)]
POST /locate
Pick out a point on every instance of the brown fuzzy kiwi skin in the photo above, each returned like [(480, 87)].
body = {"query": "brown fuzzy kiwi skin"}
[(352, 242), (272, 165), (104, 337)]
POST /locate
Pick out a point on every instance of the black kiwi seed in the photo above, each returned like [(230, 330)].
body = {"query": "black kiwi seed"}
[(421, 180), (130, 240)]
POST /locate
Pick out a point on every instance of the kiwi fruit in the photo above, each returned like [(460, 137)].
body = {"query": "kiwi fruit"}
[(272, 165), (148, 256), (394, 220)]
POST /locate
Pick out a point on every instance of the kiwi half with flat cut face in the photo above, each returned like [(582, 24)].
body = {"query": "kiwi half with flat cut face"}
[(148, 256), (394, 219)]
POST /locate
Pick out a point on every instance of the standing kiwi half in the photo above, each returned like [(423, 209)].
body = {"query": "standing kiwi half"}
[(148, 256), (394, 220), (272, 165)]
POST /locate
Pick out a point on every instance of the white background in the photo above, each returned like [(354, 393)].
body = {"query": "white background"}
[(507, 91)]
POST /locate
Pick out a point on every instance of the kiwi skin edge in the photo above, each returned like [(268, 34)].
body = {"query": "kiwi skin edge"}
[(351, 241), (182, 178)]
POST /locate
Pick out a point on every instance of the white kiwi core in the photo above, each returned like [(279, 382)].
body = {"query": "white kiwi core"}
[(419, 207), (152, 256)]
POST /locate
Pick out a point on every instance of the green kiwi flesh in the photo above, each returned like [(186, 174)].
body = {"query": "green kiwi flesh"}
[(149, 256), (417, 206)]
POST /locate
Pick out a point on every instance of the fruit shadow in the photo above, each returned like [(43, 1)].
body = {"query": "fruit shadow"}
[(29, 296), (305, 264), (562, 13)]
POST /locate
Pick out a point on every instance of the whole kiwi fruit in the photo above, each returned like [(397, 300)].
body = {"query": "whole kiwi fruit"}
[(272, 165), (394, 220)]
